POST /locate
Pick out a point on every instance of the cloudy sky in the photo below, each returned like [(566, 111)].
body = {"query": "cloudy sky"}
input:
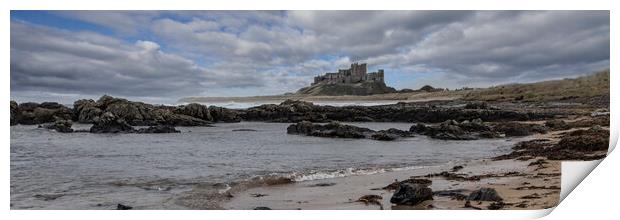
[(161, 56)]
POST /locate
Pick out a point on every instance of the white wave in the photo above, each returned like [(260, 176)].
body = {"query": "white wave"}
[(319, 175)]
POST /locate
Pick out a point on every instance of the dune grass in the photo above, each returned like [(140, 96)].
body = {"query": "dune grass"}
[(596, 84)]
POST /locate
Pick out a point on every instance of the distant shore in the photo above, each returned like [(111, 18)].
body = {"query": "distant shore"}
[(405, 97)]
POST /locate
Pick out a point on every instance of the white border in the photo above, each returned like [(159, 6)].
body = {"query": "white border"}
[(594, 192)]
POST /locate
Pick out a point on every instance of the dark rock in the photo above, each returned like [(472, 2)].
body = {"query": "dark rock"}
[(109, 123), (296, 111), (123, 207), (383, 136), (195, 110), (333, 129), (32, 113), (371, 199), (585, 140), (159, 129), (48, 197), (477, 105), (244, 129), (14, 112), (262, 208), (485, 194), (85, 111), (496, 205), (519, 129), (62, 126), (411, 194), (557, 124), (396, 183), (457, 168), (456, 194), (323, 184), (448, 130), (220, 114)]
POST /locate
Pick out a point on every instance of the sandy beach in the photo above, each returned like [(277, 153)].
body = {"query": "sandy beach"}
[(523, 186)]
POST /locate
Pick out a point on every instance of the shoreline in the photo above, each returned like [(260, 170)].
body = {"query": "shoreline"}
[(519, 191), (529, 184)]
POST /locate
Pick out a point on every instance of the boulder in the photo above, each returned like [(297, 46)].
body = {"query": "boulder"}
[(411, 194), (62, 126), (220, 114), (109, 123), (89, 114), (485, 194), (195, 110)]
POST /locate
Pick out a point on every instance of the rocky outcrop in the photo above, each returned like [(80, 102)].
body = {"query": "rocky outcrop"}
[(296, 111), (220, 114), (485, 194), (512, 129), (62, 126), (195, 110), (453, 130), (333, 129), (337, 130), (31, 113), (593, 139), (141, 114), (411, 194)]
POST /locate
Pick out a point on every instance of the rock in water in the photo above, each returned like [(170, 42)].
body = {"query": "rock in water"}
[(411, 194), (62, 126), (123, 207), (109, 123), (485, 194), (159, 129), (262, 208)]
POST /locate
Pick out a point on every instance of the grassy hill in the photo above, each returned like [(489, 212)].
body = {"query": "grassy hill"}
[(593, 85)]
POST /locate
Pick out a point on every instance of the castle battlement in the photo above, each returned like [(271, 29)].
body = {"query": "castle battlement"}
[(356, 74)]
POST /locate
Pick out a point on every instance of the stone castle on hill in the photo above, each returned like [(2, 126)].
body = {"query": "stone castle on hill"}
[(355, 74)]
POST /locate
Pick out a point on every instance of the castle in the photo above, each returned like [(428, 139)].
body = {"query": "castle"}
[(355, 74)]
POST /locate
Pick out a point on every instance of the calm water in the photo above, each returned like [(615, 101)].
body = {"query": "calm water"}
[(97, 171)]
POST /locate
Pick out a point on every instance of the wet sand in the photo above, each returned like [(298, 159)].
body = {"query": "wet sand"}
[(532, 187)]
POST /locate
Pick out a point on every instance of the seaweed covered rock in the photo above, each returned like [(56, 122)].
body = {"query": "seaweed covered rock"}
[(109, 123), (411, 194), (195, 110), (593, 139), (453, 130), (332, 129), (220, 114), (512, 129), (61, 125), (485, 194), (30, 113)]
